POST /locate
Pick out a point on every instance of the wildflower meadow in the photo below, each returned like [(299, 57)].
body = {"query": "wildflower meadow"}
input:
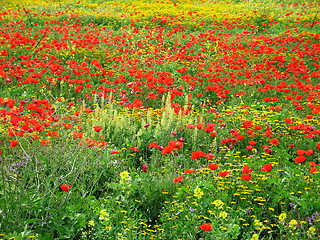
[(168, 119)]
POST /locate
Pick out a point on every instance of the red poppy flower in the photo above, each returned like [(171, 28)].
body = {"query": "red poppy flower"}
[(13, 143), (65, 187), (97, 128), (198, 154), (288, 120), (309, 152), (251, 134), (190, 126), (189, 171), (313, 170), (45, 142), (250, 148), (213, 166), (239, 137), (167, 149), (213, 133), (77, 134), (247, 124), (313, 164), (134, 149), (78, 88), (153, 145), (246, 169), (268, 133), (267, 168), (53, 133), (274, 141), (137, 103), (101, 144), (246, 177), (176, 145), (178, 179), (300, 159), (206, 227), (223, 174), (114, 151), (301, 152), (209, 156), (67, 125)]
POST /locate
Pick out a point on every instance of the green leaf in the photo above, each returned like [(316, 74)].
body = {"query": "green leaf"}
[(29, 221)]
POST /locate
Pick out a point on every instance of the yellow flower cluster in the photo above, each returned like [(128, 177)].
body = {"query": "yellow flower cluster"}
[(125, 177), (186, 12), (198, 193), (218, 203)]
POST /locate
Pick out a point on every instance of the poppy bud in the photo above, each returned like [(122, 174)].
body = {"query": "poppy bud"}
[(144, 167), (97, 128), (174, 133), (160, 148), (268, 150)]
